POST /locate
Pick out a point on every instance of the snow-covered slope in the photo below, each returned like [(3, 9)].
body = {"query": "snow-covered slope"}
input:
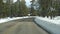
[(50, 25), (2, 20), (55, 20)]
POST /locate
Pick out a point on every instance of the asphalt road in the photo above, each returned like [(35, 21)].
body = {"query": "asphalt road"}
[(22, 26)]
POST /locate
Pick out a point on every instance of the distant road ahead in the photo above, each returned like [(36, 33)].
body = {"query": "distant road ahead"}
[(23, 26)]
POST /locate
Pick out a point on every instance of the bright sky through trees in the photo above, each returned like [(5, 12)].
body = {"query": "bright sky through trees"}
[(15, 0), (27, 2)]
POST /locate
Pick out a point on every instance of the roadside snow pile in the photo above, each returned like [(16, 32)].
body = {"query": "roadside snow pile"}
[(2, 20), (55, 20), (50, 25)]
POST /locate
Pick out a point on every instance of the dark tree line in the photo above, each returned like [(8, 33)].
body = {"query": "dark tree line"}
[(37, 8), (11, 9), (48, 7)]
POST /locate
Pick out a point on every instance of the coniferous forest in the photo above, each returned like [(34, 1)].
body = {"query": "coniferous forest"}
[(8, 8)]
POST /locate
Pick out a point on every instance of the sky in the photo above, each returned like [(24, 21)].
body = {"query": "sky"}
[(27, 2)]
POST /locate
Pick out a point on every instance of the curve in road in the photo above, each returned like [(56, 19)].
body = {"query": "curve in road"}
[(22, 26)]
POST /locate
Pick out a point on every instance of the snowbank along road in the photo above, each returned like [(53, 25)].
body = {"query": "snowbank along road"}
[(21, 26)]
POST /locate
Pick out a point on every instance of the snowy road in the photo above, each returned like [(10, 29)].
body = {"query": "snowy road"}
[(22, 26)]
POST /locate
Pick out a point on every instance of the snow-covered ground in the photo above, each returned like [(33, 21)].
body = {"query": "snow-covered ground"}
[(51, 25), (55, 20), (3, 20)]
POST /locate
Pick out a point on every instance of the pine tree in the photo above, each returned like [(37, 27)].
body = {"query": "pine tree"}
[(9, 7), (1, 1), (24, 8), (33, 10)]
